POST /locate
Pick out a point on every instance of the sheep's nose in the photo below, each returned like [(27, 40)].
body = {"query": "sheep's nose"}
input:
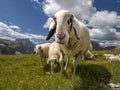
[(60, 36)]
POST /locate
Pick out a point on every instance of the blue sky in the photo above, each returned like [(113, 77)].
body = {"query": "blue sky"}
[(31, 18)]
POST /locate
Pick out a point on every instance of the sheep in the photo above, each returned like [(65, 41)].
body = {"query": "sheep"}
[(41, 50), (71, 34), (110, 57), (55, 56), (113, 57)]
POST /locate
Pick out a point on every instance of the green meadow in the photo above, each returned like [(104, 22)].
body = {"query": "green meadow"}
[(23, 72)]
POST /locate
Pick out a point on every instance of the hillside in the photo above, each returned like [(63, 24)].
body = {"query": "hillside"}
[(97, 47), (23, 72), (19, 45)]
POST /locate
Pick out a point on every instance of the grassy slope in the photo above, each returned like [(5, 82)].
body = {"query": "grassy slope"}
[(23, 72)]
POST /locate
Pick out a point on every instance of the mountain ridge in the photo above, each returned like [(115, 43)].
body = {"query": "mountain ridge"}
[(26, 46)]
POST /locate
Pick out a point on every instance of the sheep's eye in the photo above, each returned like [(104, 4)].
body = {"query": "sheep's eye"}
[(54, 18), (68, 22)]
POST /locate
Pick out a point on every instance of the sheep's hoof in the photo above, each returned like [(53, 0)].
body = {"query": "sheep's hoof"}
[(48, 73), (65, 68)]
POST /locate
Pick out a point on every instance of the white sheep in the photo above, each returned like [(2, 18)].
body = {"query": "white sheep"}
[(55, 56), (110, 57), (71, 34), (41, 50)]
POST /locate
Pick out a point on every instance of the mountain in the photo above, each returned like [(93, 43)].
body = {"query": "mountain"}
[(25, 42), (19, 45), (96, 46)]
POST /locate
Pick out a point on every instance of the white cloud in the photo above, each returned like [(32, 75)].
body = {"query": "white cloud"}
[(104, 34), (104, 25), (15, 27), (83, 9), (50, 7), (109, 43), (37, 1), (9, 32), (104, 19)]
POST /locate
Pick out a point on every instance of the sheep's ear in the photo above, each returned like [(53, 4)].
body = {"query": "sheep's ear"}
[(75, 28), (75, 32), (51, 30), (40, 48)]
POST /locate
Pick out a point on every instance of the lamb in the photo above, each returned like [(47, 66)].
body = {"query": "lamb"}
[(55, 56), (41, 50), (71, 34)]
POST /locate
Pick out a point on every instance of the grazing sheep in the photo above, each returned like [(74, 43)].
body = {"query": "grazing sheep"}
[(71, 34), (110, 57), (115, 57), (41, 50), (55, 55)]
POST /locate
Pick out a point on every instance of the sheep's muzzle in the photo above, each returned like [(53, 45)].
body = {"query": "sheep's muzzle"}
[(61, 38)]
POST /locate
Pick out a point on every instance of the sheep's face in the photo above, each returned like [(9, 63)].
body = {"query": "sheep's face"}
[(38, 50), (35, 51), (52, 60), (61, 24)]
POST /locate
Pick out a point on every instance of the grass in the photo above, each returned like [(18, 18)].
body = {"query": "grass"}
[(23, 72)]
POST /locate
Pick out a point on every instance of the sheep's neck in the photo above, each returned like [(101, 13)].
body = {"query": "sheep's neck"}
[(72, 42)]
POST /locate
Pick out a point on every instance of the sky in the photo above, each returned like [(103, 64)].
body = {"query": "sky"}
[(31, 18)]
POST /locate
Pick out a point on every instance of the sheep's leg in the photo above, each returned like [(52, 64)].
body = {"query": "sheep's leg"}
[(82, 57), (75, 62), (42, 65), (44, 62), (68, 58), (52, 68), (61, 61)]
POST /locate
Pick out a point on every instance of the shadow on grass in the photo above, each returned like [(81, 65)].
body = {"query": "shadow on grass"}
[(47, 68), (92, 77)]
